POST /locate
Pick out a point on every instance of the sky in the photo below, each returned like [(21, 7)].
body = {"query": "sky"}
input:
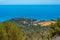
[(27, 2)]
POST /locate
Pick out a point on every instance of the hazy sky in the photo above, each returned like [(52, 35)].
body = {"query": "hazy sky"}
[(29, 1)]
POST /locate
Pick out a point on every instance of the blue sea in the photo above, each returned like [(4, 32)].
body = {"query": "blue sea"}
[(40, 12)]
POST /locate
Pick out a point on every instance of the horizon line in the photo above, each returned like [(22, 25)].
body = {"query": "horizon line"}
[(29, 4)]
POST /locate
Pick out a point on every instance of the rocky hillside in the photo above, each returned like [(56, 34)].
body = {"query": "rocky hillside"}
[(45, 23)]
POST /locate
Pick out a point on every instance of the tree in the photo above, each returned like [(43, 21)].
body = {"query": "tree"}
[(58, 22), (13, 32), (3, 34), (54, 29)]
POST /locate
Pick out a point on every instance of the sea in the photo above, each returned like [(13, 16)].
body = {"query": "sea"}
[(39, 12)]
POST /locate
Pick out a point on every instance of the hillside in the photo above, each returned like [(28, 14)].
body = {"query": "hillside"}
[(37, 30), (26, 21), (32, 27), (45, 23), (27, 24)]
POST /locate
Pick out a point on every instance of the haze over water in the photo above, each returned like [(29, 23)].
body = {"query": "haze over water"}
[(44, 12)]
